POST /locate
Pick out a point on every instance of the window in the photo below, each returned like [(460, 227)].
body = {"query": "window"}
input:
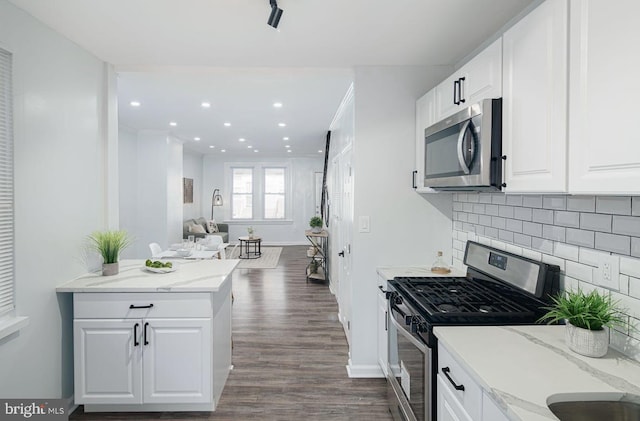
[(260, 192), (6, 187), (274, 193), (242, 193)]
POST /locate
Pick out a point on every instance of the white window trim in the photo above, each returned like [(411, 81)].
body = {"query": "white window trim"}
[(9, 322), (287, 197), (258, 192), (231, 193)]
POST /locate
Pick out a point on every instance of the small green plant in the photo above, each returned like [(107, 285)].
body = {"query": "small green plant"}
[(315, 222), (313, 266), (590, 311), (109, 244)]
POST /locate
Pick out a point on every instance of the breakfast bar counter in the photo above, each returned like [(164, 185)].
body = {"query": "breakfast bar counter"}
[(148, 341)]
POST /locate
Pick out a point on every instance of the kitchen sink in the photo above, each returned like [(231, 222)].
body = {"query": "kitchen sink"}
[(591, 407)]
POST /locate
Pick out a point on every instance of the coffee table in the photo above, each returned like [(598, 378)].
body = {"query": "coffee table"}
[(245, 247)]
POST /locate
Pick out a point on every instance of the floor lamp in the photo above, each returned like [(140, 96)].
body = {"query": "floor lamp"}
[(216, 200)]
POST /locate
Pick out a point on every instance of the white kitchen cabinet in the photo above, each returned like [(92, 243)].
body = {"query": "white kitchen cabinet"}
[(480, 78), (449, 407), (151, 351), (535, 100), (604, 149), (491, 411), (425, 117), (383, 326)]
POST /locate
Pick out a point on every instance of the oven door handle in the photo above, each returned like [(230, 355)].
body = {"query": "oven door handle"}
[(402, 331)]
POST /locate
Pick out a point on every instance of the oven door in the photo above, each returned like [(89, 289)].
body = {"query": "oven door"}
[(409, 382)]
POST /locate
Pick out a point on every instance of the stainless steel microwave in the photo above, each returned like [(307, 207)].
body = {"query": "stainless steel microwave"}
[(464, 151)]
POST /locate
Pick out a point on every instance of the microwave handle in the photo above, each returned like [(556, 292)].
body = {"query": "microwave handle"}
[(463, 162)]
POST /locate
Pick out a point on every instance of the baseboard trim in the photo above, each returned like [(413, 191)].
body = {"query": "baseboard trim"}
[(364, 371)]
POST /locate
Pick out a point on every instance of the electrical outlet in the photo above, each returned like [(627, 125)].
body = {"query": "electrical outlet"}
[(608, 272)]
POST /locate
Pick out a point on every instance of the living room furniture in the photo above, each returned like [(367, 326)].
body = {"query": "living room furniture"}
[(223, 229), (245, 247), (317, 267), (155, 249)]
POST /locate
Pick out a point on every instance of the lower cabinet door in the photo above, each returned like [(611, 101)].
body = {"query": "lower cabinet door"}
[(449, 408), (177, 360), (107, 361)]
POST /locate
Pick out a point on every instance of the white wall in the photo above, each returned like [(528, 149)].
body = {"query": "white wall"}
[(128, 184), (406, 228), (59, 196), (192, 168), (283, 233)]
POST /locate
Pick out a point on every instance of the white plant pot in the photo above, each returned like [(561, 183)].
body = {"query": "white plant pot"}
[(316, 230), (109, 269), (590, 343)]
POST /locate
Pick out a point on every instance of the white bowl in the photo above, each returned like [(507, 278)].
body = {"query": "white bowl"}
[(183, 252)]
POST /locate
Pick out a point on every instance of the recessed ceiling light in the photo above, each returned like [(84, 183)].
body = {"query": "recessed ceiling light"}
[(249, 146), (242, 139), (135, 103), (223, 150), (277, 104), (287, 146), (288, 150), (227, 124), (255, 150), (282, 124), (285, 138), (173, 123), (211, 146), (197, 139), (319, 150), (206, 104)]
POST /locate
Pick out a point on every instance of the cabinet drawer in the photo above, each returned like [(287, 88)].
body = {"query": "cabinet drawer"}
[(160, 304), (471, 396)]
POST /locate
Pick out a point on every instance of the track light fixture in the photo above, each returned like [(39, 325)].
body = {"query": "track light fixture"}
[(276, 13)]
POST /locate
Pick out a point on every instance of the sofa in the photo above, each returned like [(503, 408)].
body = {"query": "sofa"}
[(223, 229)]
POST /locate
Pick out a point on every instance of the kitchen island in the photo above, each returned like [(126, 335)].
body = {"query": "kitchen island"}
[(524, 368), (146, 341)]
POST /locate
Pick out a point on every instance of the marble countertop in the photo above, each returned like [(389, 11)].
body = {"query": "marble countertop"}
[(525, 367), (190, 276), (390, 272)]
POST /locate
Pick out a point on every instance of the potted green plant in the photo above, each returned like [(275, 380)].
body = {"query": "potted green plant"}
[(250, 232), (588, 317), (316, 224), (109, 244)]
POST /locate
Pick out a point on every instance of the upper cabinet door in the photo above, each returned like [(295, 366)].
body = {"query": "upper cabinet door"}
[(480, 78), (534, 135), (604, 88), (425, 117)]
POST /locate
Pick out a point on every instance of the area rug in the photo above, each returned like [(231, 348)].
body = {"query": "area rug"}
[(268, 260)]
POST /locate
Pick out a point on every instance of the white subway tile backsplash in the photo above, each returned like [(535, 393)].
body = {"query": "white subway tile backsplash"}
[(634, 287), (467, 207), (591, 257), (463, 197), (567, 251), (595, 222), (473, 198), (615, 243), (505, 211), (614, 205), (532, 201), (635, 206), (485, 220), (635, 247), (554, 202), (457, 206), (478, 208), (514, 200), (552, 260), (580, 237), (498, 222), (568, 283), (545, 246), (579, 271), (484, 197), (552, 232), (462, 216), (479, 230), (491, 232), (627, 225), (491, 210), (544, 216), (473, 218), (567, 219), (524, 214), (523, 240), (505, 236), (533, 255), (498, 244), (624, 284), (531, 228), (630, 266), (498, 199), (514, 249), (484, 240), (514, 225), (457, 225), (581, 203)]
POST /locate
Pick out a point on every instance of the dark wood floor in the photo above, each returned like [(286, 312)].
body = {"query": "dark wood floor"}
[(289, 355)]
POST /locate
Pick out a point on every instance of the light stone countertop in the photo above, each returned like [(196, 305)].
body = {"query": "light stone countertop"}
[(521, 367), (206, 275), (390, 272)]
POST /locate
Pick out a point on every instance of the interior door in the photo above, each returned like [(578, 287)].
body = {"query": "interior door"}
[(346, 229), (317, 191)]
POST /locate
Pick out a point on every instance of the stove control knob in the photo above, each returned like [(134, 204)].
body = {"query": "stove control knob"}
[(397, 299)]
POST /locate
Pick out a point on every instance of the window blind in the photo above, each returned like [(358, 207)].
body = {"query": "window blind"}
[(6, 186)]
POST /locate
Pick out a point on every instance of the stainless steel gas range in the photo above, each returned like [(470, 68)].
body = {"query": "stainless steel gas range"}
[(500, 289)]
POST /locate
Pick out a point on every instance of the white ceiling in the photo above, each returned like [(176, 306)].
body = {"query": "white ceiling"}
[(174, 54)]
